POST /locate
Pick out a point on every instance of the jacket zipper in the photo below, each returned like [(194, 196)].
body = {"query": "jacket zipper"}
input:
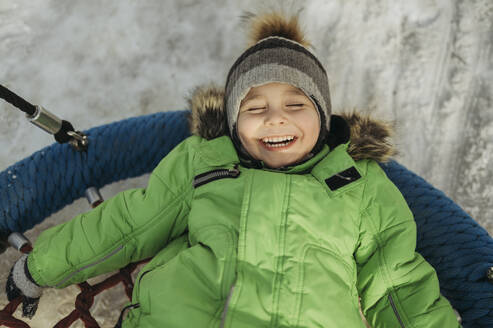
[(395, 311), (226, 306), (215, 175)]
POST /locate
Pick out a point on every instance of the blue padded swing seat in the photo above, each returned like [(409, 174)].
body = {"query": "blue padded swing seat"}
[(459, 249)]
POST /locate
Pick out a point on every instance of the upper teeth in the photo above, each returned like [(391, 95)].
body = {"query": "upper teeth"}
[(278, 139)]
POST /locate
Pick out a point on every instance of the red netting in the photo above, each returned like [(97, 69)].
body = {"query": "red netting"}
[(83, 301)]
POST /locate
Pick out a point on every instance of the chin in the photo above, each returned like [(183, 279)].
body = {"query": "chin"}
[(276, 165)]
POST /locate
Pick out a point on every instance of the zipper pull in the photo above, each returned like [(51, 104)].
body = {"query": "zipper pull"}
[(206, 177), (234, 171)]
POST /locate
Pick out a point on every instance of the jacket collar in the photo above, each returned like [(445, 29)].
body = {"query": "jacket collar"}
[(221, 151)]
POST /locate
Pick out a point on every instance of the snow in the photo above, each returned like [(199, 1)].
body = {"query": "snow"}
[(425, 64)]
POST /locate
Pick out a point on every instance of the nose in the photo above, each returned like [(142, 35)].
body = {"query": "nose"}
[(275, 116)]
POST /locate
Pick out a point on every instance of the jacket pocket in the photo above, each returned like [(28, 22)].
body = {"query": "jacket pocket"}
[(191, 287), (158, 261), (326, 289)]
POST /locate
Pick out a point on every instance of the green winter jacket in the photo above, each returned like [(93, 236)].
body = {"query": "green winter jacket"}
[(239, 247)]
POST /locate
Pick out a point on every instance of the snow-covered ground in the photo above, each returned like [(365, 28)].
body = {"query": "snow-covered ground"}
[(426, 64)]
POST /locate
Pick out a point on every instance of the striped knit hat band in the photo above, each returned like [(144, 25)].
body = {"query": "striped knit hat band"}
[(277, 59)]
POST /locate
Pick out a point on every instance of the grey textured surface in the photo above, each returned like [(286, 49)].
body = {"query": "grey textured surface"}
[(426, 64)]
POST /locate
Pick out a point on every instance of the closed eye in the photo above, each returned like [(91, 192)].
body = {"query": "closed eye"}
[(295, 105), (255, 109)]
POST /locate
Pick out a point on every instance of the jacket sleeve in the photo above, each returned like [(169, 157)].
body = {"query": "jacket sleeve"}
[(133, 225), (398, 288)]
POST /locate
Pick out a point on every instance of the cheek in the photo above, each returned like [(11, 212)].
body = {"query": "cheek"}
[(310, 124), (246, 128)]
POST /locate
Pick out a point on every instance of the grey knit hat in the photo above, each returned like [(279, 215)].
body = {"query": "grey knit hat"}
[(277, 59)]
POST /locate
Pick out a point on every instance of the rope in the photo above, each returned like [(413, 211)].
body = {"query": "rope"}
[(62, 130), (6, 318), (17, 101), (85, 299), (458, 248)]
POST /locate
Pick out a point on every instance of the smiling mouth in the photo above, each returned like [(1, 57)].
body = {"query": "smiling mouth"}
[(278, 143)]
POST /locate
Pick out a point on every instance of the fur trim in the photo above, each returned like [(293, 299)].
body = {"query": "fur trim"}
[(273, 24), (369, 136), (207, 118)]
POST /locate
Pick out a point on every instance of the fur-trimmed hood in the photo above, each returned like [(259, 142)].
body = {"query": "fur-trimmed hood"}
[(369, 137)]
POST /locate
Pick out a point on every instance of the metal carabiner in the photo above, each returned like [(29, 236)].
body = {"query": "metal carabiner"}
[(78, 140)]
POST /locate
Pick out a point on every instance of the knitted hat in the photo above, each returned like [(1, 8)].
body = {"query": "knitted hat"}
[(279, 54)]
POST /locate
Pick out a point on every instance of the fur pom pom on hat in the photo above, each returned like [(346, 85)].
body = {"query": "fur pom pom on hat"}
[(274, 24), (278, 53)]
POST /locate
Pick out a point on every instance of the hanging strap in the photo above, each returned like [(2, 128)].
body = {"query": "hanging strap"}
[(17, 101), (49, 122)]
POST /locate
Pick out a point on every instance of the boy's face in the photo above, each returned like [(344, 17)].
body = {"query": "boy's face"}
[(278, 124)]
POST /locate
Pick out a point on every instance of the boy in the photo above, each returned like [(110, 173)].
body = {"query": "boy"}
[(270, 218)]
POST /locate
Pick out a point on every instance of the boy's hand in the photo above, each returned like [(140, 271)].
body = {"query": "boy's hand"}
[(21, 284)]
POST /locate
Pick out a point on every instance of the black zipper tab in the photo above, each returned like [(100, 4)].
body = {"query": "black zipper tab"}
[(206, 177), (343, 178), (395, 311)]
